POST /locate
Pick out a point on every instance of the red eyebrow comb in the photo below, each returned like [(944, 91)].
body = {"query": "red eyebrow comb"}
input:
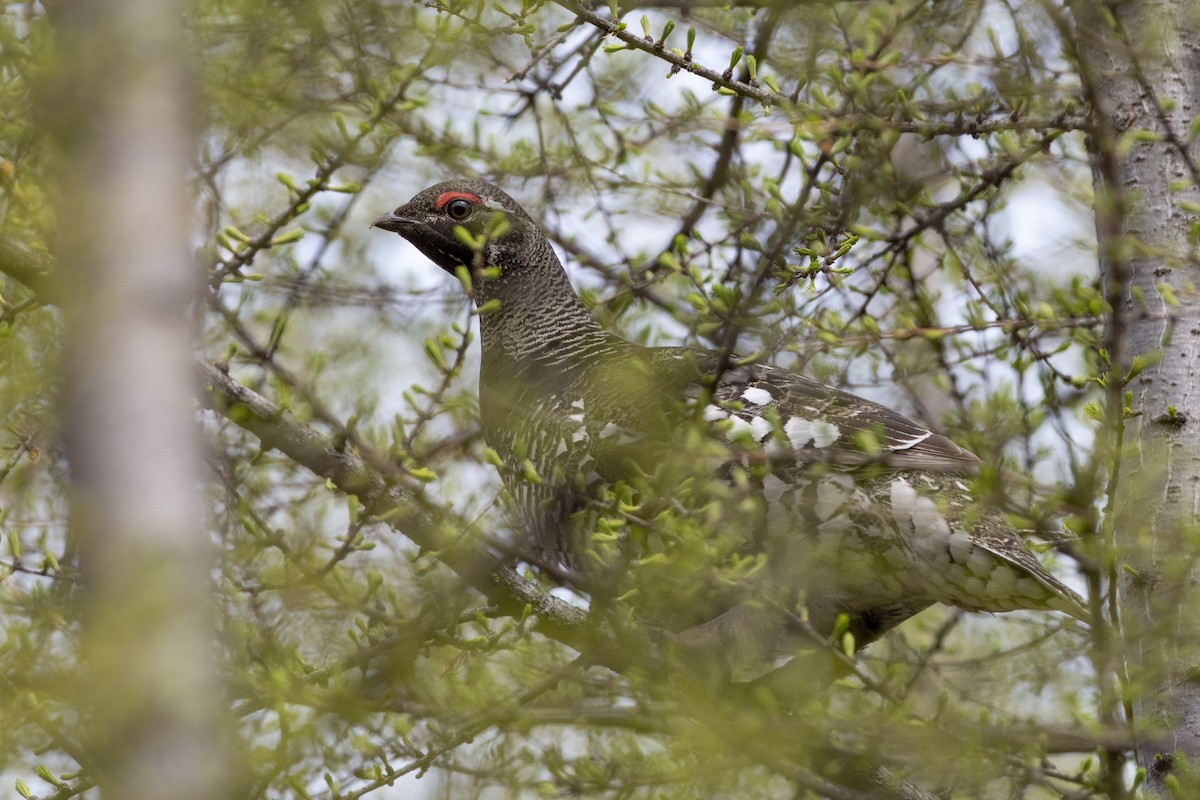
[(446, 197)]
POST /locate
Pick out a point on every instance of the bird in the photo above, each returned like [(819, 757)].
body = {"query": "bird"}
[(863, 515)]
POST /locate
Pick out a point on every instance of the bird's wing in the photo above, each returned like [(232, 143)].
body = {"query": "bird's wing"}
[(1007, 545), (816, 422)]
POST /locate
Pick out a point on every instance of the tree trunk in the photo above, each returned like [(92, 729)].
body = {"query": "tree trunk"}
[(1140, 64), (116, 106)]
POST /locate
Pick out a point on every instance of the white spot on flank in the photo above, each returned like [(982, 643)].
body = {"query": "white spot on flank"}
[(713, 413), (810, 433), (576, 418), (961, 549), (611, 429), (760, 427), (904, 498), (773, 488), (760, 397), (798, 431), (1002, 583), (928, 521), (738, 426), (981, 563), (830, 499), (825, 433), (1031, 588)]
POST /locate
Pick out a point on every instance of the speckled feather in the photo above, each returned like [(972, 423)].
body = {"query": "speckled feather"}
[(877, 520)]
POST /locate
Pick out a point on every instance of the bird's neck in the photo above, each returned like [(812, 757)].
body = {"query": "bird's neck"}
[(540, 323)]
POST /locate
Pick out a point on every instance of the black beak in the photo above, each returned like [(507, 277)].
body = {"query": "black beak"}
[(390, 222)]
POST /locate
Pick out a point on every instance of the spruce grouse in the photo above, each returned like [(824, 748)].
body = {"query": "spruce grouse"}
[(862, 509)]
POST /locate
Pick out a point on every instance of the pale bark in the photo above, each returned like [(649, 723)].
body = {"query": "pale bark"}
[(116, 104), (1141, 71)]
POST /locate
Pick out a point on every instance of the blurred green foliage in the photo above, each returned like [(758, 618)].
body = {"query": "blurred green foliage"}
[(867, 224)]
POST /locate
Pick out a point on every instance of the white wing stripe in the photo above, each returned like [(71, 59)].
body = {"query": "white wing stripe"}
[(908, 444)]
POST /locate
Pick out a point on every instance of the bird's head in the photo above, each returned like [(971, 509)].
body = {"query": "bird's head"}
[(495, 231)]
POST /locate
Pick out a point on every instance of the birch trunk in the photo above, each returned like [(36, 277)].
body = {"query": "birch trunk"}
[(1140, 64), (117, 107)]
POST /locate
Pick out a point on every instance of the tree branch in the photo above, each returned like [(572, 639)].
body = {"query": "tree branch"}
[(396, 500), (683, 63)]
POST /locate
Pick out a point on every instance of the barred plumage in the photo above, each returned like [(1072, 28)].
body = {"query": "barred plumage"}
[(863, 506)]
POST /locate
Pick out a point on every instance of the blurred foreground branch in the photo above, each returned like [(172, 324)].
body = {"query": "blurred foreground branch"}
[(395, 503), (117, 107)]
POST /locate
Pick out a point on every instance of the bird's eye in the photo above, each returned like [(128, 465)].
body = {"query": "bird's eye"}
[(458, 209)]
